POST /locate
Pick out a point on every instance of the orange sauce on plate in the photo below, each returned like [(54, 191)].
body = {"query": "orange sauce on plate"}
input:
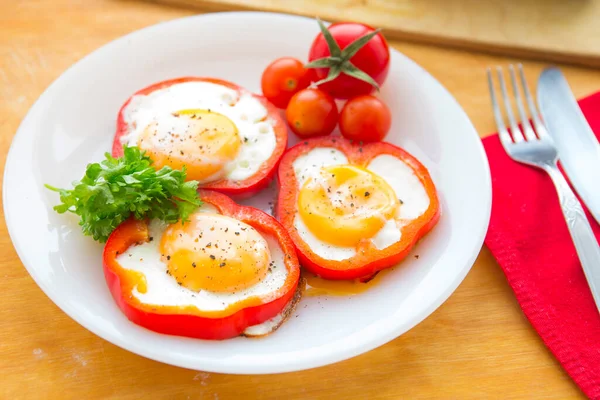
[(316, 286)]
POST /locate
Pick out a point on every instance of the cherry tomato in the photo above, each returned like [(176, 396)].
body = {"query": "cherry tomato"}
[(312, 112), (283, 78), (365, 118), (373, 59)]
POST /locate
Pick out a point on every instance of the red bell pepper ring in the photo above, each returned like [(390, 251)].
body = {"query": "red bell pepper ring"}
[(363, 265), (190, 321), (239, 189)]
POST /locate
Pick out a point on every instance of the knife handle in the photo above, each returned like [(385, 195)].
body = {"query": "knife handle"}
[(581, 232)]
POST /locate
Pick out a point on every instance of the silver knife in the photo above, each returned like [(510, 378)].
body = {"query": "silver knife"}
[(578, 148)]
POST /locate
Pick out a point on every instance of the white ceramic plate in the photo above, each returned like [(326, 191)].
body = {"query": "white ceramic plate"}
[(73, 124)]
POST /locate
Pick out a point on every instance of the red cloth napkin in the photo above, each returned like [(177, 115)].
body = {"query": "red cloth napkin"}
[(529, 238)]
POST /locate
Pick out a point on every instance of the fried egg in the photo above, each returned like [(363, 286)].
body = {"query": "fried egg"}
[(342, 208), (215, 131), (213, 263)]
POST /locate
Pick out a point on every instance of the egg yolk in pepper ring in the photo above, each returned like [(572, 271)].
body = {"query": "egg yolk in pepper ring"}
[(201, 140), (215, 252), (344, 204)]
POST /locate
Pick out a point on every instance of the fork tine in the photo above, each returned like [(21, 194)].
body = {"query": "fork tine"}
[(502, 132), (514, 128), (537, 122), (526, 126)]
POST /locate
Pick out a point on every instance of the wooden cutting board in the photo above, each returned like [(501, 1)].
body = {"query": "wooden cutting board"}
[(566, 31)]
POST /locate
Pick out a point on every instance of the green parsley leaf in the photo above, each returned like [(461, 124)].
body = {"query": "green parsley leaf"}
[(117, 188)]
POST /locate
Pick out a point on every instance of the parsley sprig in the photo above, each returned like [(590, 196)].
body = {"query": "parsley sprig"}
[(117, 188)]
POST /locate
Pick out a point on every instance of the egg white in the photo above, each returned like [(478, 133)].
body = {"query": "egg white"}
[(393, 170), (256, 131), (163, 290), (266, 327)]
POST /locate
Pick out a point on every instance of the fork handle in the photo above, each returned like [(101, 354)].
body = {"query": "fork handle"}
[(581, 232)]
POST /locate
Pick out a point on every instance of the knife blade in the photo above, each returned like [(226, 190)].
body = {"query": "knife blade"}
[(578, 149)]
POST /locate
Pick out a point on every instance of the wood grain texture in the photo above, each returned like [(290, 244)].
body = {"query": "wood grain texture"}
[(550, 30), (477, 345)]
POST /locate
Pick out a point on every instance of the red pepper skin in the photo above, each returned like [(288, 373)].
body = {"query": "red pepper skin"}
[(237, 189), (362, 265), (189, 321)]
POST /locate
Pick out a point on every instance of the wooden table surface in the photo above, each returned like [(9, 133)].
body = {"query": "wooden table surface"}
[(560, 31), (477, 345)]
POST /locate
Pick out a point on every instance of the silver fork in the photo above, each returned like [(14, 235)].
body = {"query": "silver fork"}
[(538, 151)]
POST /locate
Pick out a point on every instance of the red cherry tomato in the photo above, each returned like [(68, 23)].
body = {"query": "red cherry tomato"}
[(283, 78), (312, 112), (373, 59), (365, 118)]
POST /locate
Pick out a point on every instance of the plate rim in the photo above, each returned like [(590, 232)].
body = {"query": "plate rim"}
[(271, 368)]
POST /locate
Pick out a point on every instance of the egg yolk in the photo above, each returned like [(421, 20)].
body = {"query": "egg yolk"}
[(344, 204), (214, 252), (201, 140)]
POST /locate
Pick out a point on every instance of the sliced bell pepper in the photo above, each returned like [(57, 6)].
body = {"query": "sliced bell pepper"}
[(189, 320), (369, 260), (239, 189)]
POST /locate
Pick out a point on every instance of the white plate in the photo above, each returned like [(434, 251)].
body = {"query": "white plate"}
[(73, 124)]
